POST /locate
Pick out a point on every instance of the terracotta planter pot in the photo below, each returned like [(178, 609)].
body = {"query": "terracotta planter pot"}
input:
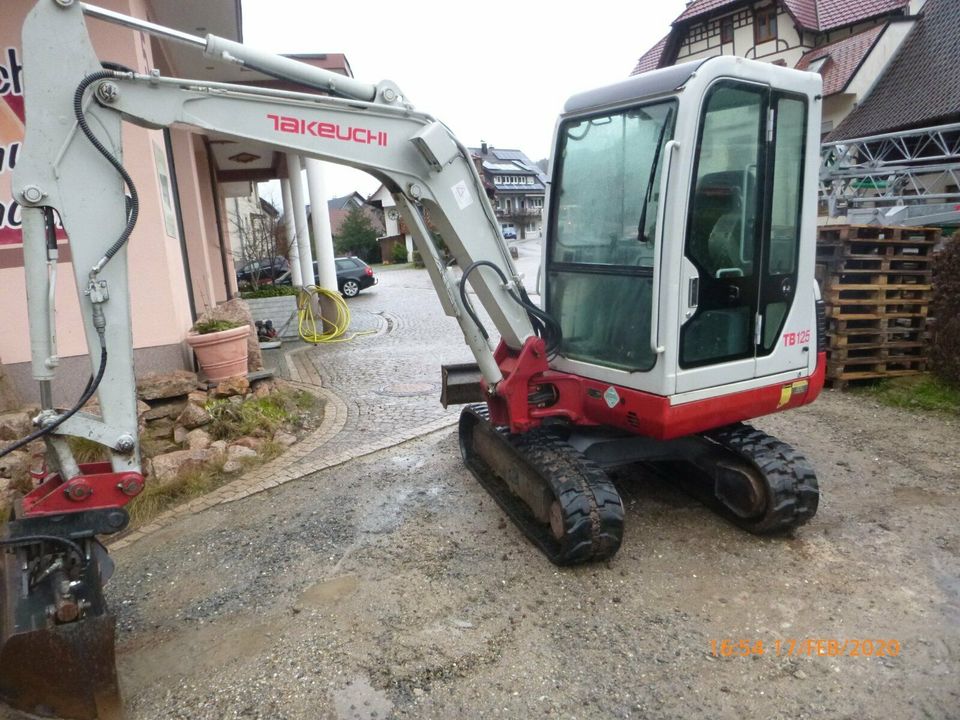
[(221, 354)]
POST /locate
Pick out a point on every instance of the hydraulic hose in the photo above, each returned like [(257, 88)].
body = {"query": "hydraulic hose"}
[(87, 394), (35, 539), (543, 324), (133, 209)]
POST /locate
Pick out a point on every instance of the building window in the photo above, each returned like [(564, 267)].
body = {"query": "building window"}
[(726, 30), (765, 25)]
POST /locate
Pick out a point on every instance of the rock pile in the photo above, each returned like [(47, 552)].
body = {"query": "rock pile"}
[(172, 412), (176, 420)]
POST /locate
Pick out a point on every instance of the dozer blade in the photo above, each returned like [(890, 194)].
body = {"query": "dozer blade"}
[(52, 665)]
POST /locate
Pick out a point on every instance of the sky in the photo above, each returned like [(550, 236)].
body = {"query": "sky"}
[(498, 71)]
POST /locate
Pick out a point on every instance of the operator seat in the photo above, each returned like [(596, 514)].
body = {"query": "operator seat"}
[(723, 244), (717, 223)]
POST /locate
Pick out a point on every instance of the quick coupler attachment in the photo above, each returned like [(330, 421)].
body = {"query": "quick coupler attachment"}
[(57, 635)]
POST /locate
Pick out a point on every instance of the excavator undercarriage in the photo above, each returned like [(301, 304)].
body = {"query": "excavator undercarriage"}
[(562, 499)]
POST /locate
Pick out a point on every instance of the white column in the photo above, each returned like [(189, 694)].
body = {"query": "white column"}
[(296, 274), (320, 218), (299, 203)]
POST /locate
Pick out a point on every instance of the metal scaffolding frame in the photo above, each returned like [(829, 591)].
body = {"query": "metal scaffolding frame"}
[(903, 178)]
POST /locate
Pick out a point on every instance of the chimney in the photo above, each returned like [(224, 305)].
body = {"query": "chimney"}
[(483, 147)]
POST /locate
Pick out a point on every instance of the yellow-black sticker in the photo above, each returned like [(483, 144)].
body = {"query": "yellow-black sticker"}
[(788, 391)]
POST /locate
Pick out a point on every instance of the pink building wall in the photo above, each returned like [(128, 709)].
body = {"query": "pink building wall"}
[(160, 297)]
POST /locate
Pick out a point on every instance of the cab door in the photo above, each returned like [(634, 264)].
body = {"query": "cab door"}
[(739, 269), (785, 333)]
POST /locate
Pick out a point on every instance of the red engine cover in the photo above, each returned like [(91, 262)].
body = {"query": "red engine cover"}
[(584, 402)]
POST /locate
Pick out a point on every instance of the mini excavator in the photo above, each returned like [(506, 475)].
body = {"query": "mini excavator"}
[(677, 286)]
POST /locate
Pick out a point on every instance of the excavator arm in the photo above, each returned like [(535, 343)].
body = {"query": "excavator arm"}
[(373, 129)]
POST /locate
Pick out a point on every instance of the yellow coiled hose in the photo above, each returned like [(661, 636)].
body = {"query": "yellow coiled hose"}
[(307, 325)]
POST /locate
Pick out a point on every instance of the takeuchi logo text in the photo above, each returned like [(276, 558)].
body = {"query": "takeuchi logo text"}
[(334, 131)]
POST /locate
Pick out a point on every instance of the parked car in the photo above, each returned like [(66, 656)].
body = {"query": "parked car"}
[(509, 233), (264, 270), (353, 275)]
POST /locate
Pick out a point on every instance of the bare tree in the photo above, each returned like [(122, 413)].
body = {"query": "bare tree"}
[(262, 238)]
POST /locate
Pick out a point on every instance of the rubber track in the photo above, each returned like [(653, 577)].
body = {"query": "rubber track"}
[(793, 491), (591, 506)]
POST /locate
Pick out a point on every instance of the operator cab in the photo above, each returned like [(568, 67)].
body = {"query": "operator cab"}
[(677, 237)]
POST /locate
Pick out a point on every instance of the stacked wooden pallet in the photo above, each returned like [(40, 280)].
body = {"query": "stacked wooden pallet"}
[(875, 282)]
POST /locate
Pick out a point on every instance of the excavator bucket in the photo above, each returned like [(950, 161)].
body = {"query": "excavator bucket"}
[(56, 635)]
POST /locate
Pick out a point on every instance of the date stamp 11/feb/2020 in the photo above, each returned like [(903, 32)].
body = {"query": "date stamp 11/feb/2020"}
[(806, 647)]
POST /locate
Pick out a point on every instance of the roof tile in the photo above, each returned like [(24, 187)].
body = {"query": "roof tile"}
[(844, 57), (702, 7), (920, 85), (812, 14), (650, 60), (804, 11), (838, 13)]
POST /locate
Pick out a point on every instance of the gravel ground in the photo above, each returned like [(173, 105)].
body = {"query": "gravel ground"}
[(393, 587)]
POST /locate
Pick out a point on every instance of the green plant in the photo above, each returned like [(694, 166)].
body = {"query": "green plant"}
[(399, 254), (211, 326), (305, 401), (915, 392), (268, 291), (258, 417), (188, 484)]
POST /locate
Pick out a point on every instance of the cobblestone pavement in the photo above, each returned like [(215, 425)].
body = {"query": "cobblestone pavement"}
[(380, 388)]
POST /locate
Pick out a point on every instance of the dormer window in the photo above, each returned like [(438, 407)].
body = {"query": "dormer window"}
[(765, 25)]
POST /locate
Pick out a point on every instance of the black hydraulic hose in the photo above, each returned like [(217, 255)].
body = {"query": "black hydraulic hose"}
[(87, 394), (34, 539), (466, 302), (544, 326), (133, 209), (551, 331)]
